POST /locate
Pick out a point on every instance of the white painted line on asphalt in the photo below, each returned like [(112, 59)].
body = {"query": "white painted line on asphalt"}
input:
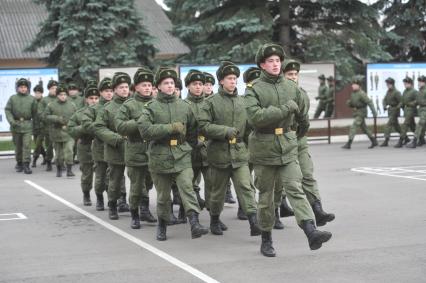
[(389, 173), (12, 216), (140, 243)]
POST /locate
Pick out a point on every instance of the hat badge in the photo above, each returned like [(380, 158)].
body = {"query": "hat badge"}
[(168, 73), (273, 49)]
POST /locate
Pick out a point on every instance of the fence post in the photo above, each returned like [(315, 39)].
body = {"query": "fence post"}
[(329, 130)]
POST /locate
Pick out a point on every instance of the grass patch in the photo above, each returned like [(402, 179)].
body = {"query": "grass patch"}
[(6, 145)]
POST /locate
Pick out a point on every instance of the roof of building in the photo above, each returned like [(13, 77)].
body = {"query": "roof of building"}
[(20, 21)]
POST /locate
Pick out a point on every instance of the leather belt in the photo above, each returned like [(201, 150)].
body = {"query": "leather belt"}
[(273, 131)]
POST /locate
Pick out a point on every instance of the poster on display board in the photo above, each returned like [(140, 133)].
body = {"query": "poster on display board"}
[(8, 78), (376, 74), (308, 78)]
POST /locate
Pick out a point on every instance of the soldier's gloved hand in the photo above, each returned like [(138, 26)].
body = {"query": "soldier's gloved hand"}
[(231, 133), (290, 107), (302, 129), (178, 128)]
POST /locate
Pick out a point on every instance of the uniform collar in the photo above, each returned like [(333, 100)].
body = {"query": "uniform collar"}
[(194, 98), (266, 77), (142, 98), (118, 99), (225, 93), (166, 98)]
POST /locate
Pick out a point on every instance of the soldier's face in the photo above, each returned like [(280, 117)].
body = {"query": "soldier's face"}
[(122, 90), (22, 89), (52, 90), (389, 86), (107, 94), (154, 91), (272, 65), (355, 87), (38, 95), (196, 88), (208, 88), (73, 92), (92, 100), (229, 83), (422, 84), (144, 88), (167, 86), (62, 96), (178, 92), (292, 75), (407, 85)]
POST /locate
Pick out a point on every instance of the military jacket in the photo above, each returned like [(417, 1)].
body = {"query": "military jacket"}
[(84, 137), (57, 115), (20, 110), (359, 102)]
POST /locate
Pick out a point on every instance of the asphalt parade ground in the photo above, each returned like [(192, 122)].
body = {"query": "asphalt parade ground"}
[(378, 196)]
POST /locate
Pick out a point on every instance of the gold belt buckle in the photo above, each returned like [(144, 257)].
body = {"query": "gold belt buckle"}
[(201, 138), (173, 142), (21, 119), (233, 141), (279, 131)]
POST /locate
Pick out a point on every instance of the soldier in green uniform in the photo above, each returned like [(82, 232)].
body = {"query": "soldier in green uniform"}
[(51, 97), (105, 129), (57, 115), (208, 84), (322, 97), (20, 110), (74, 95), (291, 70), (391, 103), (409, 105), (84, 142), (419, 135), (170, 125), (88, 122), (329, 108), (272, 104), (223, 120), (136, 148), (359, 102), (38, 134)]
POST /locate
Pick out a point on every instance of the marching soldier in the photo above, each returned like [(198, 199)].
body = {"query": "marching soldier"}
[(391, 103), (309, 184), (408, 104), (329, 108), (419, 136), (223, 120), (84, 142), (170, 125), (74, 95), (20, 110), (271, 109), (51, 97), (105, 129), (322, 97), (136, 148), (88, 122), (359, 102), (38, 128), (57, 115)]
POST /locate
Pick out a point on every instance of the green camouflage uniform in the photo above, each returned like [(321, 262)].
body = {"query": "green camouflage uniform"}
[(408, 104), (391, 102), (323, 97), (358, 102)]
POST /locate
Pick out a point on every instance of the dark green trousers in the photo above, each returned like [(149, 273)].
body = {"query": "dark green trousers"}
[(22, 142)]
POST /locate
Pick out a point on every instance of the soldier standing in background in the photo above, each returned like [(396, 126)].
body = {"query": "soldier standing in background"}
[(38, 128), (322, 97), (20, 110), (329, 108)]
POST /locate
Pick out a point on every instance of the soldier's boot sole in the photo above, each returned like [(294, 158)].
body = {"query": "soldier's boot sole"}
[(317, 238), (323, 219), (215, 229)]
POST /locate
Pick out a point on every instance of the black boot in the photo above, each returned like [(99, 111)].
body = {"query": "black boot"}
[(215, 225), (201, 202), (86, 199), (173, 220), (161, 230), (100, 202), (113, 214), (181, 215), (222, 225), (266, 247), (34, 164), (278, 224), (373, 142), (315, 237), (197, 230), (123, 206), (385, 143), (69, 171), (421, 141), (44, 162), (285, 210), (321, 216), (228, 195), (347, 145), (48, 165), (145, 212), (399, 144), (412, 144), (136, 222), (27, 169), (406, 140), (254, 228), (58, 171), (240, 214), (19, 167)]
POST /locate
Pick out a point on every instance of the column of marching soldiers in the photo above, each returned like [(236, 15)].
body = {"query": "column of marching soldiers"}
[(169, 142)]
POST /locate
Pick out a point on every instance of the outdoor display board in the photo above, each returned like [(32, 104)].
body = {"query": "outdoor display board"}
[(8, 78), (378, 73), (308, 78)]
